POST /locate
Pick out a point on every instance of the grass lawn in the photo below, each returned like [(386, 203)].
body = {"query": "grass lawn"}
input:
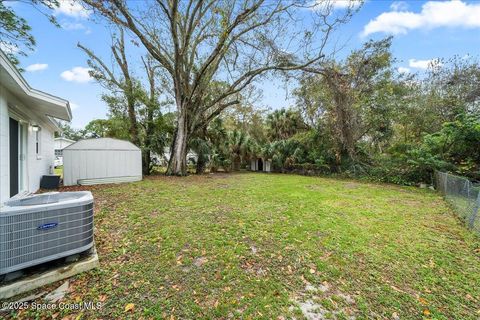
[(268, 246)]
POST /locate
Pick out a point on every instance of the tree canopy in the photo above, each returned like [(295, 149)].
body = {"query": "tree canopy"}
[(15, 32), (210, 51)]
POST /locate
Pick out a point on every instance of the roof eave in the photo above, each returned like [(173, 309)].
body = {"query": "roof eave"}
[(34, 93)]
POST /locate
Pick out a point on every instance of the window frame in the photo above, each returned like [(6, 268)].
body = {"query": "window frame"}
[(38, 143)]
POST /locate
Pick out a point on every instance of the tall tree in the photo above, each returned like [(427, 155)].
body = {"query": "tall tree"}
[(453, 87), (15, 32), (152, 112), (240, 147), (354, 96), (68, 132), (113, 127), (283, 123), (248, 118), (123, 82), (139, 104), (201, 41)]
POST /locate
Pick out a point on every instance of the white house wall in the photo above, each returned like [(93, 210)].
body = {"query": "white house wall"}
[(61, 143), (4, 148), (37, 166)]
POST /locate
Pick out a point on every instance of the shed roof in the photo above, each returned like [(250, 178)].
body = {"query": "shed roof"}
[(103, 144), (64, 139)]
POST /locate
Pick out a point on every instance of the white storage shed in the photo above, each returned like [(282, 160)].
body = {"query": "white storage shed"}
[(261, 164), (100, 161)]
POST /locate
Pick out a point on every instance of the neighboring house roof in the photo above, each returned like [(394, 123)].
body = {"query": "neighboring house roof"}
[(43, 104), (102, 144), (65, 139)]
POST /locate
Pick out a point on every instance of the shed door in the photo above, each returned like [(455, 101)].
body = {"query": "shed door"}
[(13, 157), (260, 164)]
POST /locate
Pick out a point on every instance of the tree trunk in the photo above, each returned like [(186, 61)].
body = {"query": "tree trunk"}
[(149, 132), (177, 166), (201, 163), (202, 157), (133, 121), (237, 161), (146, 162)]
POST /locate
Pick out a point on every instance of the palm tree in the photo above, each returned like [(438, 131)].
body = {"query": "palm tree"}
[(282, 124), (208, 144), (202, 148), (238, 143)]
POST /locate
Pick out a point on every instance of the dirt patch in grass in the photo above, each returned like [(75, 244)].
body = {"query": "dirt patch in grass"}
[(352, 185), (324, 301), (313, 187)]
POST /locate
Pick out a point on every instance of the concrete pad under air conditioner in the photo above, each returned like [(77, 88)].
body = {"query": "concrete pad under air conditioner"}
[(38, 280)]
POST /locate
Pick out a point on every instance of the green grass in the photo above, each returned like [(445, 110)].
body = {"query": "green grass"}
[(249, 245)]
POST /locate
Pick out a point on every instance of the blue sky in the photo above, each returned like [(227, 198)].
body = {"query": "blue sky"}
[(423, 30)]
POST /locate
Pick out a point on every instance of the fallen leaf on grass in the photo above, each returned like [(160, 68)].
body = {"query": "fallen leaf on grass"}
[(397, 289), (129, 307), (326, 256), (200, 261), (289, 268), (426, 312), (423, 301)]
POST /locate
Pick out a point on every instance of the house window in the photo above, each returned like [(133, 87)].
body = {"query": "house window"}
[(37, 142), (58, 152), (38, 145)]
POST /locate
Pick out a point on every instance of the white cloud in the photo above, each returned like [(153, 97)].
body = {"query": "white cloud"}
[(434, 14), (423, 64), (72, 25), (338, 4), (9, 48), (76, 74), (73, 106), (36, 67), (403, 70), (72, 8), (345, 4), (399, 6), (75, 26)]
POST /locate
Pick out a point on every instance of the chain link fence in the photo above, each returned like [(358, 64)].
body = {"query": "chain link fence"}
[(463, 195)]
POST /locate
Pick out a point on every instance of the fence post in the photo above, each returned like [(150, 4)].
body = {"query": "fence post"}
[(445, 184), (471, 223)]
